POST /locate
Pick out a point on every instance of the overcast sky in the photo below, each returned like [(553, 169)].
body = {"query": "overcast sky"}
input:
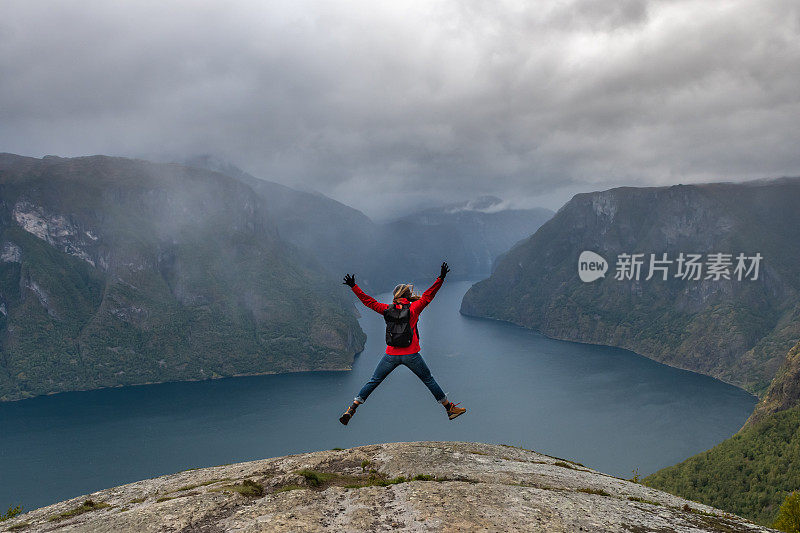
[(383, 103)]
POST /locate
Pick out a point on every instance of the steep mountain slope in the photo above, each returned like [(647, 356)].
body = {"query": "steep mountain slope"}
[(470, 235), (419, 486), (737, 331), (749, 474), (752, 472), (339, 237), (784, 391), (116, 271)]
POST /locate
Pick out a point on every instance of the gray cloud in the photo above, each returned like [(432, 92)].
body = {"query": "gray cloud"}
[(382, 103)]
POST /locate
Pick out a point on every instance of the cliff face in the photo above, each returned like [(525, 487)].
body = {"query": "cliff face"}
[(784, 391), (422, 486), (737, 331), (116, 271)]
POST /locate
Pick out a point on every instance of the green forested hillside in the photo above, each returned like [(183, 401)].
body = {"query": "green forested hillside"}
[(116, 271), (752, 472), (749, 474)]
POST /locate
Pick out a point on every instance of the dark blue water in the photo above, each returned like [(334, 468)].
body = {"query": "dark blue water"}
[(605, 407)]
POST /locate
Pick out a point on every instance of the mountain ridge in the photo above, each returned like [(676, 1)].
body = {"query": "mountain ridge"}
[(736, 332), (401, 248), (117, 271)]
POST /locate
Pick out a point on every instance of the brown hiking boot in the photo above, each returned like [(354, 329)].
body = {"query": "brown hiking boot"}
[(345, 418), (453, 411)]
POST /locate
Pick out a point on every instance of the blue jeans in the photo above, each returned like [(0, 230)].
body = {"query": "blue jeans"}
[(414, 362)]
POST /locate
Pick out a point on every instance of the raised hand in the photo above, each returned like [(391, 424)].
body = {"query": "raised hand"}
[(445, 270), (349, 280)]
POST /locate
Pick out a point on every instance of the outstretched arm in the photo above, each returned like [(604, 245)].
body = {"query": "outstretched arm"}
[(365, 298), (428, 295)]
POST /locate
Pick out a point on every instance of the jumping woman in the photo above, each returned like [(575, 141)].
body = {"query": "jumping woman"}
[(402, 340)]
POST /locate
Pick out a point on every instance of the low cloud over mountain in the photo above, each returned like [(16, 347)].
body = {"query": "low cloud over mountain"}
[(383, 105)]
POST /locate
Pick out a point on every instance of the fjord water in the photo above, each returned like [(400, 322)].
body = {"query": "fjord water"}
[(607, 408)]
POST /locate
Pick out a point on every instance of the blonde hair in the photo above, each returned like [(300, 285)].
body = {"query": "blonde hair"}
[(405, 290)]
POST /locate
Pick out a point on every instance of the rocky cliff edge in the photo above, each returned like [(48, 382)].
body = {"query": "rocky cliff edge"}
[(418, 486)]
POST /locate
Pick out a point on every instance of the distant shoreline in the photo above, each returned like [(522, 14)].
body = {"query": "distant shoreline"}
[(150, 383), (477, 317)]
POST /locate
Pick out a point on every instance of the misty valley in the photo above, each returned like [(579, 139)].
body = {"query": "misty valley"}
[(164, 317), (324, 267)]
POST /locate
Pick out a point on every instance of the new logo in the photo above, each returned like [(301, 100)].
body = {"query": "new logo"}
[(591, 266)]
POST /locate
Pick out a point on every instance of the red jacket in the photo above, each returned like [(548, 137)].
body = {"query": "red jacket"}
[(415, 308)]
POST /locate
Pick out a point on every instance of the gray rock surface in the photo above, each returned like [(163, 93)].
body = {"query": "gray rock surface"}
[(459, 487)]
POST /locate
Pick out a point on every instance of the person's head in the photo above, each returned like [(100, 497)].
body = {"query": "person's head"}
[(404, 290)]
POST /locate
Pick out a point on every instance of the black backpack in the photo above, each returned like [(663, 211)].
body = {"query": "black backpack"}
[(398, 326)]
